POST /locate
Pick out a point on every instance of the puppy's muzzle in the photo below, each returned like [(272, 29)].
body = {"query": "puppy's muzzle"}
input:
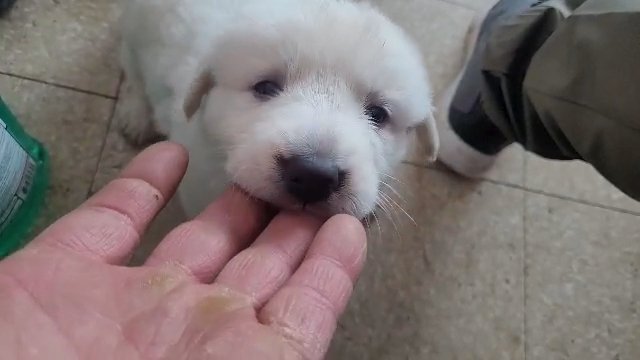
[(311, 179)]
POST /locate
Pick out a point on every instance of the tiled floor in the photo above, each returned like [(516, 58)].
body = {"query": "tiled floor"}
[(540, 261)]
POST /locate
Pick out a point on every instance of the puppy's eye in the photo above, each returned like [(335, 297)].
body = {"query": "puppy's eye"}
[(267, 89), (378, 115)]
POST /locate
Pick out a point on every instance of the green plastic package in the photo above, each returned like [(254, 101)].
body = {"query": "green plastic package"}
[(24, 176)]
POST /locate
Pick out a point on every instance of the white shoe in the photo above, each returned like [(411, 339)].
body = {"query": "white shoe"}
[(455, 153), (463, 159)]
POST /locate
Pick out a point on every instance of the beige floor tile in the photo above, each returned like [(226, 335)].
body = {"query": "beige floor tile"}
[(583, 283), (116, 154), (70, 42), (575, 180), (509, 167), (473, 4), (72, 125), (450, 287)]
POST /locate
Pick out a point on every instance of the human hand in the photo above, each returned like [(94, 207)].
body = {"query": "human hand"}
[(230, 284)]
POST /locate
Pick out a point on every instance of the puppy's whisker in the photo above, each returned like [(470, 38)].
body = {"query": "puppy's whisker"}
[(385, 206), (378, 224), (355, 202), (392, 189), (394, 203), (367, 221), (356, 205), (392, 178), (367, 224)]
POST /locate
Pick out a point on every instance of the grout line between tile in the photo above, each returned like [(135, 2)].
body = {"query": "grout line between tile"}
[(106, 135), (536, 192), (525, 168), (525, 272), (61, 86), (462, 5)]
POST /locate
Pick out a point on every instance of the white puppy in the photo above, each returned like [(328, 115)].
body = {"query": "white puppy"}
[(302, 103)]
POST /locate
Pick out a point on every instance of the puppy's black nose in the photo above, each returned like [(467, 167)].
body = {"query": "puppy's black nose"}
[(311, 179)]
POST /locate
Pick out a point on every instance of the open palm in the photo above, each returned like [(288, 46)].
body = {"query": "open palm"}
[(230, 284)]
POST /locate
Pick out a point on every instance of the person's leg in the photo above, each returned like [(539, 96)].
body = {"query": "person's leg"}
[(470, 141), (560, 77)]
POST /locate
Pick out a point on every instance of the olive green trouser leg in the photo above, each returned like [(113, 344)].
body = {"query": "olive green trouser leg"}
[(563, 79)]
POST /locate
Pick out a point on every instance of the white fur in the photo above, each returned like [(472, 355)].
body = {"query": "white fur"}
[(333, 56)]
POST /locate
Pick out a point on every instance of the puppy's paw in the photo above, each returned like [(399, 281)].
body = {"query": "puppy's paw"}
[(134, 119), (139, 133)]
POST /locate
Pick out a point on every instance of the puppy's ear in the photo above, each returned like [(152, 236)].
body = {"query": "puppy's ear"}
[(200, 88), (428, 135)]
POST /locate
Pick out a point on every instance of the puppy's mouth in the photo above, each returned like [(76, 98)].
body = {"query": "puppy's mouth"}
[(311, 184), (284, 201)]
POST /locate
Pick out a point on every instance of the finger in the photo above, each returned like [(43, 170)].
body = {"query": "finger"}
[(108, 226), (204, 245), (265, 266), (306, 309)]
